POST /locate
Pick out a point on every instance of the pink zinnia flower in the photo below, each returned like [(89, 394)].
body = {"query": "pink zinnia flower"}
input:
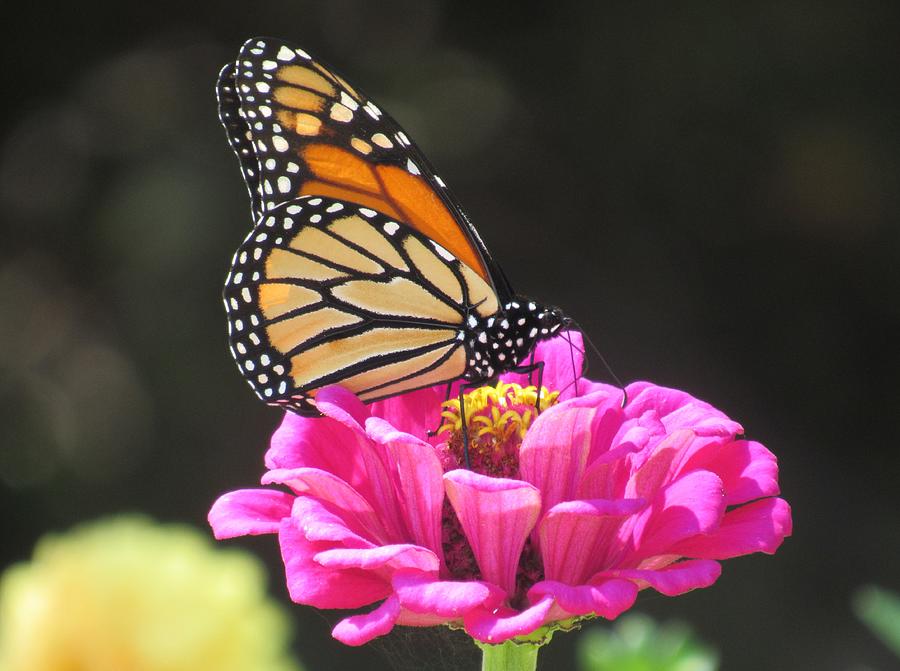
[(564, 515)]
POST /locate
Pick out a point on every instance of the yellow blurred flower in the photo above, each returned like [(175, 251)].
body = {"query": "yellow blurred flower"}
[(127, 594)]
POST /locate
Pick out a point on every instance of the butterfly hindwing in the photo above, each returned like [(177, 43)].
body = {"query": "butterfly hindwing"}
[(328, 291), (311, 133)]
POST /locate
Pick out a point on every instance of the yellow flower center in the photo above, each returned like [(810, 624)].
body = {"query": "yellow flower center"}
[(496, 421)]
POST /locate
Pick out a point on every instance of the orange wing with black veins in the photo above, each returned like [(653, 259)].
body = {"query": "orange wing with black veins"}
[(299, 130)]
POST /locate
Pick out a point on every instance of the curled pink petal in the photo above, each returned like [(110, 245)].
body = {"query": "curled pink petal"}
[(336, 402), (397, 556), (315, 442), (360, 629), (321, 523), (497, 515), (420, 593), (326, 488), (691, 505), (674, 579), (249, 512), (748, 470), (607, 598), (760, 526), (413, 619), (311, 583), (497, 626), (680, 410)]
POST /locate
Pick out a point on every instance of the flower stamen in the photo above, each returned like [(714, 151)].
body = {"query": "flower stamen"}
[(497, 418)]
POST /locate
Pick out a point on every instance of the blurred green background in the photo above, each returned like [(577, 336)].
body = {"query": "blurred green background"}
[(709, 189)]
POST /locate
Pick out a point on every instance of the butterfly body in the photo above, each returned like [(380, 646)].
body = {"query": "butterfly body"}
[(361, 269), (497, 344)]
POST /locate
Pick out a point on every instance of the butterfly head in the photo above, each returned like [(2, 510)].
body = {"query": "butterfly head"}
[(550, 322)]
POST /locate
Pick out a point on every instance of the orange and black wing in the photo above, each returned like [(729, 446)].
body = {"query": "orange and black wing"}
[(299, 129), (327, 291)]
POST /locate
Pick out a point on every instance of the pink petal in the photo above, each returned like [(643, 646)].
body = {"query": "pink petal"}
[(760, 526), (413, 619), (748, 470), (370, 476), (674, 579), (608, 598), (577, 537), (419, 483), (679, 410), (354, 510), (497, 626), (691, 505), (249, 512), (342, 405), (421, 593), (555, 450), (395, 557), (608, 474), (312, 584), (317, 442), (360, 629), (638, 432), (320, 523), (416, 412), (657, 470), (496, 515)]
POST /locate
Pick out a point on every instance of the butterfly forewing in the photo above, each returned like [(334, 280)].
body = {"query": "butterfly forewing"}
[(238, 135), (327, 291), (314, 134)]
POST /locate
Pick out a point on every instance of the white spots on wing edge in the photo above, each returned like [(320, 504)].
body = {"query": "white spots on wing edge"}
[(285, 54)]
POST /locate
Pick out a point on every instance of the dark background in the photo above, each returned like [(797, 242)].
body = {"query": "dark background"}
[(710, 190)]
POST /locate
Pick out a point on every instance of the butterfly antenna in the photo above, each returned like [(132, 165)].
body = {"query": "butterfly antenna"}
[(575, 373), (603, 360)]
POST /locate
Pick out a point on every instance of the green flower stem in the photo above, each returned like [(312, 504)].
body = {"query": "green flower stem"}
[(509, 656)]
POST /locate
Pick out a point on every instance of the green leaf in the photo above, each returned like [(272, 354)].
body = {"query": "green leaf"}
[(637, 643), (879, 609)]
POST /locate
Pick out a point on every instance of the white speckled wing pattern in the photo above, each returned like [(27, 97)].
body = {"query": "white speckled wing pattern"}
[(324, 291)]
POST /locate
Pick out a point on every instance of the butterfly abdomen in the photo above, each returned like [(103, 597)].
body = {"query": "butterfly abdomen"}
[(500, 342)]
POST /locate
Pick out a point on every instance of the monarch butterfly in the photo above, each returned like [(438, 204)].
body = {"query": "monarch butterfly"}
[(361, 269)]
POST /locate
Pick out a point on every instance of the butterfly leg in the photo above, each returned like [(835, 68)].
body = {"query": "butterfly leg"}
[(433, 432), (529, 370), (463, 388), (465, 425)]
